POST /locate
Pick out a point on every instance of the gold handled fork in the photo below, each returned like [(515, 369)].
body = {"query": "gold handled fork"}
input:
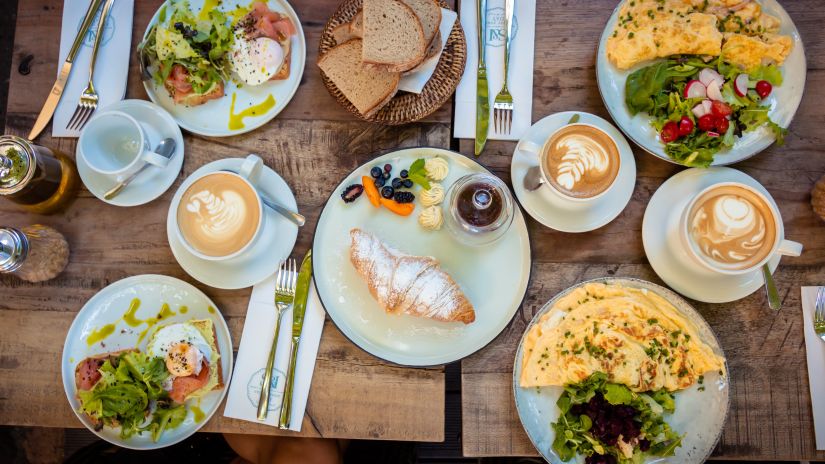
[(819, 313), (285, 282), (503, 104)]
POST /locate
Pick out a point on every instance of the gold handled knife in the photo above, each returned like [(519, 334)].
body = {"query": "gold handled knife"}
[(57, 89), (299, 306), (482, 92)]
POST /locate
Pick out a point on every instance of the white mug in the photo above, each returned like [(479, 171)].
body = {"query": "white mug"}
[(249, 173), (780, 245), (116, 145)]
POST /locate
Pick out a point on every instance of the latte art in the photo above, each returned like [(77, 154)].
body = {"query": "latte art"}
[(580, 161), (217, 216), (582, 157)]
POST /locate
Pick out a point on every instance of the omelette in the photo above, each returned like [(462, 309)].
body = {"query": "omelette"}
[(633, 335), (736, 29)]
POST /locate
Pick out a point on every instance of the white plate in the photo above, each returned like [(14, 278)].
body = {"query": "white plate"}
[(262, 259), (212, 118), (106, 307), (559, 213), (494, 278), (700, 415), (783, 101), (152, 182), (665, 252)]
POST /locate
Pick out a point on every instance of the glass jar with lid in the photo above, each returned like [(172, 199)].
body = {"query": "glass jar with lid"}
[(37, 178), (34, 253), (480, 209)]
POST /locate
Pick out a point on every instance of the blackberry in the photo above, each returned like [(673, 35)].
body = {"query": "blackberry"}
[(352, 193), (387, 192), (404, 197), (376, 172)]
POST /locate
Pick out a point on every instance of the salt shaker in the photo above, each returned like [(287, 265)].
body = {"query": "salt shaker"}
[(34, 253)]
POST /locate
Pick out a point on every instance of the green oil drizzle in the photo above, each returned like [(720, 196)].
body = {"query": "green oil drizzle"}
[(183, 309), (197, 413), (131, 319), (164, 313), (129, 316), (236, 119), (100, 334), (211, 310)]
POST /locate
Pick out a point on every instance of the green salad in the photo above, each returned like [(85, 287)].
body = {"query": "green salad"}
[(610, 424), (130, 386), (700, 107)]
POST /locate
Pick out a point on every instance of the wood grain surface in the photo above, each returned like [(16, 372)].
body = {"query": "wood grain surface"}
[(770, 417), (312, 144)]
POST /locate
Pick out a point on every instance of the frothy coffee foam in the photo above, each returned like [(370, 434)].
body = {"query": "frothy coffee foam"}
[(732, 227), (581, 161), (218, 214)]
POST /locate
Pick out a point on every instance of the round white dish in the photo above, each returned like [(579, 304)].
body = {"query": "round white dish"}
[(783, 101), (260, 260), (212, 118), (562, 214), (493, 277), (700, 415), (665, 252), (106, 307), (153, 181)]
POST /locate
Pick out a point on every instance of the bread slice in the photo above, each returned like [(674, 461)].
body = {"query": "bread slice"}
[(393, 35), (429, 13), (368, 88), (356, 27), (342, 33)]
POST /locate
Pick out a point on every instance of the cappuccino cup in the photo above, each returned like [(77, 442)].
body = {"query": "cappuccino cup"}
[(731, 228), (116, 145), (579, 162), (220, 215)]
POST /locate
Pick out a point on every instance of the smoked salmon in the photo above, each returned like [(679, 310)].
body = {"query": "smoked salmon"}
[(181, 90), (184, 386)]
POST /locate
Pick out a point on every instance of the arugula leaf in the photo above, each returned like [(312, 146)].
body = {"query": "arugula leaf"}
[(644, 86), (418, 174), (665, 399), (617, 394)]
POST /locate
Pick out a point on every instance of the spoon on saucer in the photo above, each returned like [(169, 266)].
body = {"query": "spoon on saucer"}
[(293, 217), (165, 148), (770, 289)]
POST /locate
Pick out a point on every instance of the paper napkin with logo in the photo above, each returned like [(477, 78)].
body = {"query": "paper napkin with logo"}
[(815, 348), (111, 67), (521, 66), (415, 81), (258, 332)]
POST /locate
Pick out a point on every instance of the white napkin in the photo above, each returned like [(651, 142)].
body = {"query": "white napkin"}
[(112, 65), (253, 352), (815, 348), (521, 67), (415, 82)]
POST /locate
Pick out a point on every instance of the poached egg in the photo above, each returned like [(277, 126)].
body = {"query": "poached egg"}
[(255, 61), (182, 347)]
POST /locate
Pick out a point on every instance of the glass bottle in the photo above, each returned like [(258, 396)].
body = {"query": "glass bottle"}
[(480, 209), (34, 253)]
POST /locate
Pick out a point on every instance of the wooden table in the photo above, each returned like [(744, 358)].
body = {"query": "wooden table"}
[(770, 417), (312, 144)]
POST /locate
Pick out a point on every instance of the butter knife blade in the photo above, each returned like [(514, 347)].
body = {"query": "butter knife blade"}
[(482, 91), (299, 306)]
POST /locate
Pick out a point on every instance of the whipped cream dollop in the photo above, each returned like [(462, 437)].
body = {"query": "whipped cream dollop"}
[(437, 168), (431, 218), (433, 196)]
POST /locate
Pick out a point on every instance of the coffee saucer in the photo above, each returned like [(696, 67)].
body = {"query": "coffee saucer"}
[(668, 257), (260, 260), (559, 213), (153, 181)]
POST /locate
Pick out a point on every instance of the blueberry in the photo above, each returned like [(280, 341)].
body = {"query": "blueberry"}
[(404, 173), (408, 183), (379, 182), (397, 183), (387, 192), (387, 175), (388, 167), (375, 172)]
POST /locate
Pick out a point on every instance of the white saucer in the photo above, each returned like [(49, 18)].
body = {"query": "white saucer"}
[(556, 212), (667, 256), (262, 259), (152, 182)]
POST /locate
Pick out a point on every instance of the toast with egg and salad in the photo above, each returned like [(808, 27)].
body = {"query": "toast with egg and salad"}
[(621, 354), (193, 56), (148, 391), (714, 63)]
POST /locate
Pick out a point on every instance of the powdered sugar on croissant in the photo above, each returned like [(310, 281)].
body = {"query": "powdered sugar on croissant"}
[(405, 284)]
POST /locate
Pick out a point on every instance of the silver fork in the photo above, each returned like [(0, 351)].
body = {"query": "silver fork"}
[(88, 99), (285, 281), (819, 313), (503, 104)]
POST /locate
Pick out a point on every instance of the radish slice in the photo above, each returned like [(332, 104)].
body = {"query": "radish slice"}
[(740, 85), (707, 75), (699, 110), (713, 134), (708, 105), (695, 89), (714, 91)]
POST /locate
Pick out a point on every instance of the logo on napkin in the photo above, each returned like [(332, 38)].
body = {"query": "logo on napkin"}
[(91, 33), (497, 27)]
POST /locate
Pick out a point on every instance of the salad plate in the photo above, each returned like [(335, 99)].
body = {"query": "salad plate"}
[(700, 409), (493, 277), (242, 107), (781, 101), (182, 302)]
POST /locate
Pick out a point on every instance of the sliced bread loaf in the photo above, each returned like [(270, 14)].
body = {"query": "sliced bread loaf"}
[(429, 13), (368, 88), (356, 27), (393, 35)]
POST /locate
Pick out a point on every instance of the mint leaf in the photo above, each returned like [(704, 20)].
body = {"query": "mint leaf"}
[(418, 174)]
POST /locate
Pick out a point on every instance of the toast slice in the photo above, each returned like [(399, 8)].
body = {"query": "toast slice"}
[(368, 88), (356, 27), (393, 35), (342, 33), (429, 13)]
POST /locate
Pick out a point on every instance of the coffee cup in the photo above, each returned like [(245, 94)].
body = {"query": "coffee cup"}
[(116, 145), (578, 162), (731, 228), (220, 215)]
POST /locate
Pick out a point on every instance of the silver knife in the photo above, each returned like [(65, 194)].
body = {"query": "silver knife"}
[(57, 90), (482, 92), (299, 306)]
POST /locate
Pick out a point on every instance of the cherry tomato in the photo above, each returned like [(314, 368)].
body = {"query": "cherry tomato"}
[(722, 125), (720, 109), (707, 122), (685, 126), (763, 88), (670, 132)]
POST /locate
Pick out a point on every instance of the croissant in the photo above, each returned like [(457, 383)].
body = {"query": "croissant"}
[(404, 284)]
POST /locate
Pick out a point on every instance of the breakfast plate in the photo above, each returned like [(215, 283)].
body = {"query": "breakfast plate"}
[(152, 295), (562, 214), (671, 261), (215, 118), (700, 409), (494, 277), (261, 259), (782, 102)]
